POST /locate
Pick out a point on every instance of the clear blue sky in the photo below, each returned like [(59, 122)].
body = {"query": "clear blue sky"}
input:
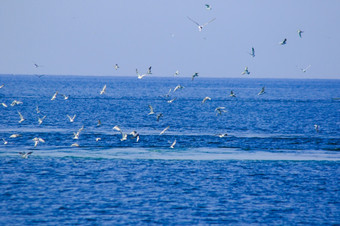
[(83, 37)]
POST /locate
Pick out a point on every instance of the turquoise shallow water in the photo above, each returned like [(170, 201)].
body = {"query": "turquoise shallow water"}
[(273, 167)]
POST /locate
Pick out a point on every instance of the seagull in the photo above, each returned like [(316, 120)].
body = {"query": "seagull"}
[(170, 101), (71, 118), (5, 141), (103, 90), (193, 76), (65, 97), (116, 66), (151, 110), (99, 123), (40, 120), (168, 94), (37, 140), (252, 52), (178, 87), (2, 86), (221, 135), (15, 136), (21, 117), (317, 127), (200, 27), (124, 137), (135, 135), (140, 76), (149, 71), (164, 130), (37, 109), (74, 145), (284, 42), (54, 96), (159, 116), (208, 7), (219, 110), (205, 99), (25, 155), (98, 139), (300, 32), (76, 135), (232, 94), (117, 128), (245, 71), (262, 91), (16, 102), (173, 144), (3, 104), (305, 69), (176, 73)]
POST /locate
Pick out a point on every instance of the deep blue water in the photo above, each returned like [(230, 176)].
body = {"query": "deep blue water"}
[(272, 168)]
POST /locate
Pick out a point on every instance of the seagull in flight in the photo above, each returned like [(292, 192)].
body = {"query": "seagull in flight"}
[(16, 102), (173, 144), (116, 66), (76, 135), (37, 109), (284, 42), (317, 127), (300, 33), (5, 141), (74, 145), (245, 71), (219, 110), (99, 123), (40, 120), (163, 131), (65, 97), (117, 128), (176, 73), (170, 101), (139, 75), (252, 52), (4, 105), (37, 140), (15, 136), (135, 135), (103, 90), (71, 118), (151, 110), (221, 135), (193, 76), (208, 7), (98, 139), (232, 94), (205, 99), (159, 116), (25, 155), (54, 96), (2, 86), (200, 27), (305, 69), (21, 117), (149, 71), (178, 87), (262, 91)]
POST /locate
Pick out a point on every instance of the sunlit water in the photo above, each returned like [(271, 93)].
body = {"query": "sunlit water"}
[(272, 168)]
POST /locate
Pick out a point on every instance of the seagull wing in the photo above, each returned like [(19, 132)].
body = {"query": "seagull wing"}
[(21, 117), (164, 130), (208, 22), (194, 21)]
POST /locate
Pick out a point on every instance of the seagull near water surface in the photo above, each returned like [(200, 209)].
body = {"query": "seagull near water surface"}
[(245, 71), (305, 69), (21, 117), (37, 140), (71, 118), (262, 91), (205, 99), (54, 96), (139, 76), (200, 27), (25, 155), (103, 90)]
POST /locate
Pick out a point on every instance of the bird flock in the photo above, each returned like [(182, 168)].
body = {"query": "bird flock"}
[(134, 134)]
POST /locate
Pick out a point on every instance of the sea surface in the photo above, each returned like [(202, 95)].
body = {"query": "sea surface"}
[(272, 168)]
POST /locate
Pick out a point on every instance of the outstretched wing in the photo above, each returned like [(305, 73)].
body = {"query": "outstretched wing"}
[(194, 21), (208, 22)]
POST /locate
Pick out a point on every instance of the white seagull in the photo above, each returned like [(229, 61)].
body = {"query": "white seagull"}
[(221, 135), (232, 94), (219, 110), (176, 73), (317, 127), (116, 66), (21, 117), (25, 155), (65, 97), (173, 144), (99, 123), (252, 52), (193, 76), (149, 71), (74, 145), (71, 118), (37, 109), (305, 69), (151, 110), (37, 140), (205, 99), (200, 27), (4, 105), (40, 120), (139, 76), (163, 131), (98, 139), (262, 91), (16, 102), (284, 42), (2, 86), (15, 135), (178, 87), (300, 33), (5, 141), (117, 128), (135, 135), (76, 135), (54, 96), (245, 71), (170, 101), (103, 90)]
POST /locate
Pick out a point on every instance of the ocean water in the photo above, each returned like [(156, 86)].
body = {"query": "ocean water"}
[(273, 167)]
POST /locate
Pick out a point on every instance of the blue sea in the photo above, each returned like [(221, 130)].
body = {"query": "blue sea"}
[(272, 168)]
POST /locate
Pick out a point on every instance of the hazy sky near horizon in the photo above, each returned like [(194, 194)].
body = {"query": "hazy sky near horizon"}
[(88, 37)]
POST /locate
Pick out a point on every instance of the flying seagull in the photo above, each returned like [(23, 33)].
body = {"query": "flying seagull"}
[(65, 97), (54, 96), (135, 135), (149, 71), (151, 110), (176, 73), (173, 144), (98, 139), (317, 127), (16, 102), (37, 109), (178, 87), (262, 91), (284, 42), (116, 66), (159, 116), (208, 7), (21, 117), (2, 86), (300, 33), (99, 123), (5, 141), (103, 90), (193, 76), (205, 99), (245, 71), (76, 135), (4, 105), (163, 131), (305, 69), (37, 140), (40, 120), (252, 52), (74, 145), (25, 155), (232, 94), (139, 76), (71, 118), (117, 128), (221, 135), (219, 110), (200, 27), (172, 100), (15, 136)]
